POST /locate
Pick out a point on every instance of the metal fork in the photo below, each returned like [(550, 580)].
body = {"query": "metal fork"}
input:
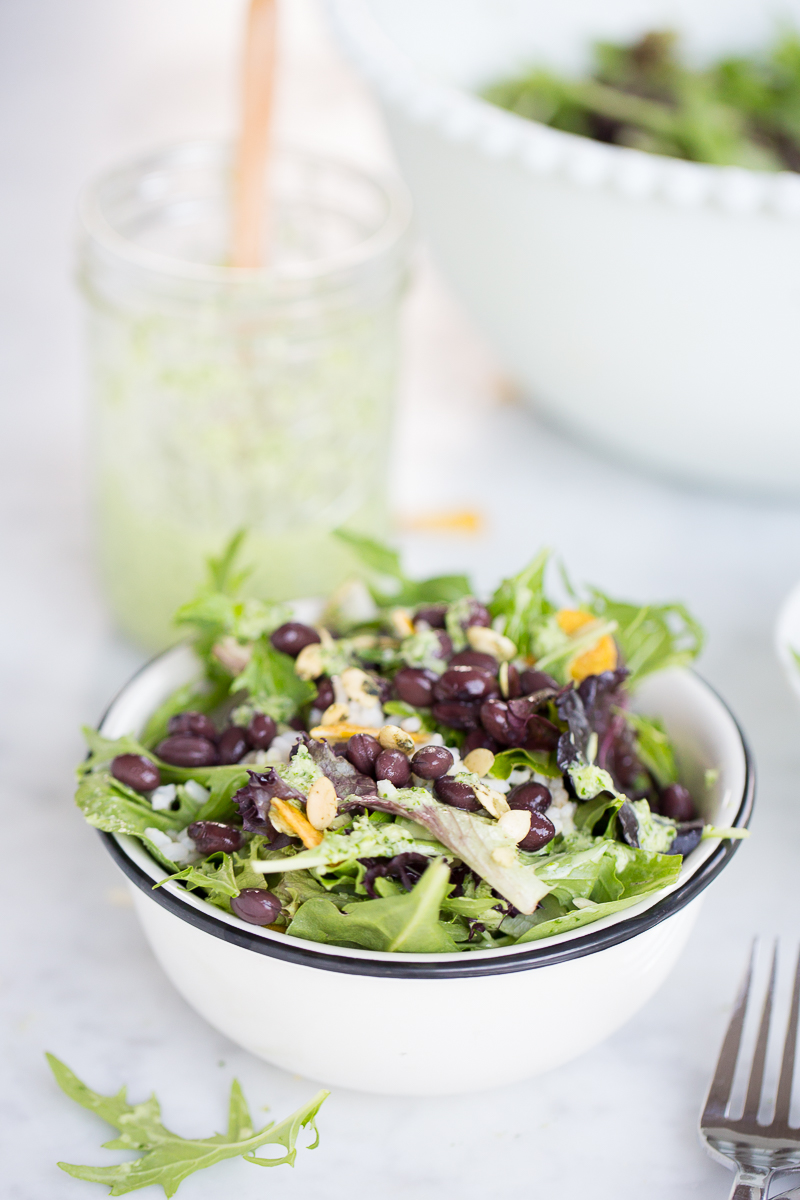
[(755, 1151)]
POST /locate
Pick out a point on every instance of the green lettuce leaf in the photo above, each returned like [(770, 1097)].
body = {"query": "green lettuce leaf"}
[(575, 919), (169, 1159), (215, 873), (109, 805), (408, 923), (539, 761), (653, 747)]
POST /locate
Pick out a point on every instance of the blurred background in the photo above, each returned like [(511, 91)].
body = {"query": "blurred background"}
[(483, 471)]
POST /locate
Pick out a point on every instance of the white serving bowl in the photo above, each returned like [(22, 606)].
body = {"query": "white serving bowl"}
[(415, 1024), (643, 302)]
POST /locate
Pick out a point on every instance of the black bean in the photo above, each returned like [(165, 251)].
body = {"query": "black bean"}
[(541, 832), (340, 748), (261, 731), (675, 802), (136, 772), (181, 750), (393, 766), (541, 734), (478, 615), (194, 723), (535, 681), (293, 637), (432, 614), (459, 795), (455, 714), (465, 683), (256, 906), (474, 658), (232, 745), (495, 720), (414, 685), (479, 739), (363, 750), (431, 762), (513, 687), (532, 796), (212, 836), (325, 694), (297, 723)]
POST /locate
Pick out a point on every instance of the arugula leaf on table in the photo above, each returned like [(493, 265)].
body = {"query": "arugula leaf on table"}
[(408, 923), (397, 588), (169, 1159)]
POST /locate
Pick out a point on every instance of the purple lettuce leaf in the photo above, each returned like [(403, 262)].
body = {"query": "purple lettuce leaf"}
[(347, 781)]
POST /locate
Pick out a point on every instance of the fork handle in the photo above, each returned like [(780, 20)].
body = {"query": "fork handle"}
[(751, 1185)]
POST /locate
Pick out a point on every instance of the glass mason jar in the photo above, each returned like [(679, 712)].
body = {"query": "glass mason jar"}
[(231, 398)]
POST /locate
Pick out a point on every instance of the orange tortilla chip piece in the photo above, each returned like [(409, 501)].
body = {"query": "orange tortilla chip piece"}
[(601, 657), (570, 620), (309, 836), (342, 732)]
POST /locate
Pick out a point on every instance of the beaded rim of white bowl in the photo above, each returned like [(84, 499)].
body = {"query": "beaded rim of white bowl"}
[(463, 117)]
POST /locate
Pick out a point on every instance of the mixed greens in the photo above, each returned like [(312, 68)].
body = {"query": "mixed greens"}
[(165, 1157), (417, 771), (740, 111)]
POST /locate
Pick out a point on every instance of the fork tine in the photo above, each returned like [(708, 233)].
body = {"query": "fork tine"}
[(783, 1100), (720, 1089), (756, 1082)]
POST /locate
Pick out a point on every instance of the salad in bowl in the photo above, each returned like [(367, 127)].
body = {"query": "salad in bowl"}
[(410, 769)]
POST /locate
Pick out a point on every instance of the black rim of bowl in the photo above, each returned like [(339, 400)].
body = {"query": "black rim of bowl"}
[(306, 954)]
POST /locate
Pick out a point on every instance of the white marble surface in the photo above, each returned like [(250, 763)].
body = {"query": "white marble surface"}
[(84, 83)]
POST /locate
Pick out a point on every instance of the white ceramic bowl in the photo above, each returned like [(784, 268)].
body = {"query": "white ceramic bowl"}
[(646, 303), (434, 1024)]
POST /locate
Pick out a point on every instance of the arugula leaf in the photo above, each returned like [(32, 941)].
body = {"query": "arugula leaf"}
[(408, 923), (274, 686), (519, 603), (385, 562), (653, 747), (169, 1159), (378, 557), (221, 577), (651, 637)]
